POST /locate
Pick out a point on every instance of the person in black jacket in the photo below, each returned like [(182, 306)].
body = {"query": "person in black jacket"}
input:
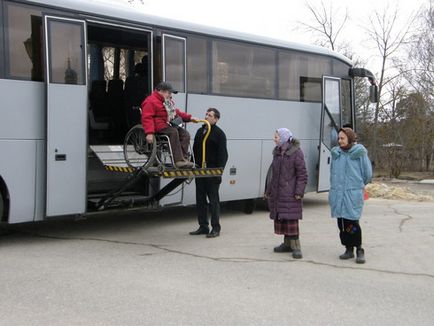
[(216, 157)]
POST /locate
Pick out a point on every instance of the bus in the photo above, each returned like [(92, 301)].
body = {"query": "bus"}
[(74, 72)]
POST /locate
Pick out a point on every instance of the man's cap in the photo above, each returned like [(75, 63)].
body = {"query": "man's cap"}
[(164, 86)]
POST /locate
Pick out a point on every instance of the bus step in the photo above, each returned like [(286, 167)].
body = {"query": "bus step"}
[(112, 157)]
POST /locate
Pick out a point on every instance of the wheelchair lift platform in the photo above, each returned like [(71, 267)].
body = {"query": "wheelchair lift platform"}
[(141, 160), (113, 159)]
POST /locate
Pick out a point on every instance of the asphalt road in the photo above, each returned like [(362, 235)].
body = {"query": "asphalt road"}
[(144, 269)]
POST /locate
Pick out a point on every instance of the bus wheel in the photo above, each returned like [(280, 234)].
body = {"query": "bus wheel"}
[(249, 206), (2, 206), (4, 201)]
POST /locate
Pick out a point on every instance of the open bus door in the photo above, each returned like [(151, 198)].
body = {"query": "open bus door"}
[(175, 72), (330, 122), (66, 79)]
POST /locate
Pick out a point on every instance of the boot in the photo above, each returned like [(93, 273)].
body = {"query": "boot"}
[(285, 246), (296, 249), (360, 256), (349, 253)]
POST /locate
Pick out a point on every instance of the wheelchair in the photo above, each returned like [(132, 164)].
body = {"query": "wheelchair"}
[(139, 154)]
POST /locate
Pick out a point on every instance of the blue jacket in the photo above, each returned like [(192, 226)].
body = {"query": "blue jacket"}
[(350, 172)]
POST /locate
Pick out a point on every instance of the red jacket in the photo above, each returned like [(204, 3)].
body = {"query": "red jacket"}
[(154, 114)]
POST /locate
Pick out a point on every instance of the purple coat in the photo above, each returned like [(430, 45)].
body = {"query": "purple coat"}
[(286, 178)]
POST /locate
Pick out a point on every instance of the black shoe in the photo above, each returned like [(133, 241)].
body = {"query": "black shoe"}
[(200, 231), (296, 248), (348, 254), (360, 256), (213, 234), (296, 254), (282, 248)]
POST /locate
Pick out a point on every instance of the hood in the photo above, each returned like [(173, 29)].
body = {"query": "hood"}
[(294, 145), (357, 151)]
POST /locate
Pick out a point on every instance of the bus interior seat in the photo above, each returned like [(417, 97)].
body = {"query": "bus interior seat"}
[(136, 90), (115, 97), (98, 114)]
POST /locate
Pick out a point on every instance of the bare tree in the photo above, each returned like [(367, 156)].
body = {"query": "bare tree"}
[(388, 38), (325, 23), (419, 65)]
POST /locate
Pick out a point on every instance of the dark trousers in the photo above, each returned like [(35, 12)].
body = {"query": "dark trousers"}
[(208, 188), (179, 141), (350, 233)]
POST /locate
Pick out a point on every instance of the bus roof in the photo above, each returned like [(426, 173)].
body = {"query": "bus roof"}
[(125, 12)]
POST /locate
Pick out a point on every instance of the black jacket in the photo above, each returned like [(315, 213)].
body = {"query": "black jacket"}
[(216, 150)]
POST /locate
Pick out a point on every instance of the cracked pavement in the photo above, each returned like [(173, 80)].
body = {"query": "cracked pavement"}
[(135, 268)]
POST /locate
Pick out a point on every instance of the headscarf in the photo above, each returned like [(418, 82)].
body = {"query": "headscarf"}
[(351, 137), (285, 135)]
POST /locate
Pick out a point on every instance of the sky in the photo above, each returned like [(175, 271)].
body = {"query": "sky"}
[(279, 18)]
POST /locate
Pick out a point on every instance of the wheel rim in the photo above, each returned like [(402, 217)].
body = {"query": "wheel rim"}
[(137, 152)]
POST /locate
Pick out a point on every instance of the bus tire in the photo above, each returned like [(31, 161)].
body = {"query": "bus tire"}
[(2, 206), (249, 206), (4, 202)]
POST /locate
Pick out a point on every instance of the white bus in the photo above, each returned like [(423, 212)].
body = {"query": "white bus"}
[(73, 72)]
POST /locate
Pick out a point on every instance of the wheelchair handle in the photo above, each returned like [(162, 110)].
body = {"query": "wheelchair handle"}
[(208, 131)]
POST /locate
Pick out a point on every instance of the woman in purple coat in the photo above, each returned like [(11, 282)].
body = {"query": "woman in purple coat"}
[(286, 182)]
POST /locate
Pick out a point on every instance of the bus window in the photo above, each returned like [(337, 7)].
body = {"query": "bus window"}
[(243, 70), (331, 100), (175, 62), (347, 113), (310, 89), (300, 76), (23, 35), (67, 62), (340, 69), (197, 65), (292, 65)]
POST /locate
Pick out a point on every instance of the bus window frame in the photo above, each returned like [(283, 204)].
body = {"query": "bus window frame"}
[(45, 10), (208, 62), (352, 102), (237, 42), (2, 41), (183, 38), (48, 55), (310, 80), (277, 49), (97, 22)]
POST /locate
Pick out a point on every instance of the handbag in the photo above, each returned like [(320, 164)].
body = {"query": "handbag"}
[(177, 122)]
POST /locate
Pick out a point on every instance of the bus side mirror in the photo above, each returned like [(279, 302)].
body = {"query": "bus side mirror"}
[(373, 93)]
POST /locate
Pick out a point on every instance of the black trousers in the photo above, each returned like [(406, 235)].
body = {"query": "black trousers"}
[(208, 188), (350, 233)]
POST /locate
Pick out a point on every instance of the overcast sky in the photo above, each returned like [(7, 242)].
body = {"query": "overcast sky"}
[(278, 18)]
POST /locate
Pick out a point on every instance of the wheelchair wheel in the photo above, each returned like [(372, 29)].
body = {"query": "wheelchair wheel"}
[(137, 152)]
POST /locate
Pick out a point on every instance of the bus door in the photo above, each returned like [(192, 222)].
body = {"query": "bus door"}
[(175, 72), (330, 124), (66, 89)]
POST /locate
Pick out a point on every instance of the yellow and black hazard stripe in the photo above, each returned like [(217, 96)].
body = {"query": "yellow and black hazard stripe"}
[(119, 169), (196, 173), (193, 173)]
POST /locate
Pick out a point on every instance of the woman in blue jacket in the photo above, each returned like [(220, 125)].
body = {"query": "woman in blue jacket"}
[(350, 171)]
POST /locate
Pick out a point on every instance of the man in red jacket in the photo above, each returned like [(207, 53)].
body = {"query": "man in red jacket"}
[(157, 112)]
